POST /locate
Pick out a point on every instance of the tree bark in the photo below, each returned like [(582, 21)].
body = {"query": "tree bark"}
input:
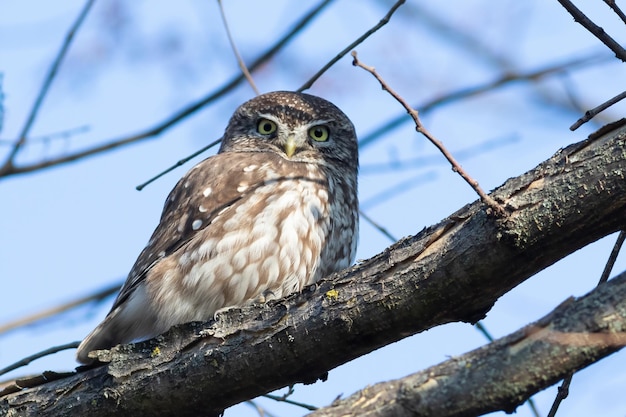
[(505, 373), (452, 271)]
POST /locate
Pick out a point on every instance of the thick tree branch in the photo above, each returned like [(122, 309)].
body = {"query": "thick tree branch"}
[(505, 373), (452, 271)]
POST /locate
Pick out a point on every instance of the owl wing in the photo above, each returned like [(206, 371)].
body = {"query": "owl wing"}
[(206, 190)]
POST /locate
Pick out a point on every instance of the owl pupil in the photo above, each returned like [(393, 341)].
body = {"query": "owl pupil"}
[(318, 133)]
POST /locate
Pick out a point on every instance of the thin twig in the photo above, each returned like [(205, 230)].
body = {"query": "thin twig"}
[(262, 412), (596, 30), (177, 164), (616, 9), (233, 45), (378, 227), (422, 162), (179, 115), (503, 80), (49, 312), (563, 390), (289, 393), (490, 202), (465, 40), (353, 45), (64, 134), (38, 355), (482, 329), (52, 71), (256, 407), (612, 257), (285, 398), (401, 187), (590, 114), (533, 407), (562, 393), (463, 37), (292, 402), (573, 97)]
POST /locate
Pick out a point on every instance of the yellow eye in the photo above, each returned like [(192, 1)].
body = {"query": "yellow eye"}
[(266, 127), (319, 133)]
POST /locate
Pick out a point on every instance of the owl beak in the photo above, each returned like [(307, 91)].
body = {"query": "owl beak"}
[(290, 146)]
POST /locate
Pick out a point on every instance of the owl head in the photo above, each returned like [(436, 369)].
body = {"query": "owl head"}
[(298, 127)]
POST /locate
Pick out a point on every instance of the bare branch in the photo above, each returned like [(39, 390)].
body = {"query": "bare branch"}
[(562, 393), (590, 114), (452, 271), (46, 85), (616, 9), (612, 257), (233, 45), (38, 355), (353, 45), (64, 134), (401, 187), (456, 167), (49, 312), (178, 164), (501, 81), (378, 227), (501, 375), (285, 398), (179, 115), (477, 149), (464, 37), (563, 390), (596, 30)]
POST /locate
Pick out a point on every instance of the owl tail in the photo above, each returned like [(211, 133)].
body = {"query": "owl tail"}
[(105, 336), (131, 319)]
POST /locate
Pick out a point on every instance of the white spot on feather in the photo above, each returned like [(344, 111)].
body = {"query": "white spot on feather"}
[(207, 191), (196, 224)]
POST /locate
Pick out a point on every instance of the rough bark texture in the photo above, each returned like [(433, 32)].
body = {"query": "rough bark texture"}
[(453, 271), (505, 373)]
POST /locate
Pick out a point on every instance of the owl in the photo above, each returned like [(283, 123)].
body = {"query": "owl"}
[(273, 211)]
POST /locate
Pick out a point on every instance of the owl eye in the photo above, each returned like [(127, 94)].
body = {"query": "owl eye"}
[(319, 133), (266, 127)]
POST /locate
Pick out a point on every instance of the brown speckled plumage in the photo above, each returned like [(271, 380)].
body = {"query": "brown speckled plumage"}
[(247, 224)]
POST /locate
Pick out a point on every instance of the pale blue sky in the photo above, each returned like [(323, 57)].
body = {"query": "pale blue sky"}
[(74, 229)]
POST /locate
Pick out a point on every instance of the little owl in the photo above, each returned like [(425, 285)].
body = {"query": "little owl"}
[(273, 211)]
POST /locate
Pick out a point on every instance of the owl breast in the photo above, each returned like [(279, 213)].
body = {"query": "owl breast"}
[(273, 211), (274, 241)]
